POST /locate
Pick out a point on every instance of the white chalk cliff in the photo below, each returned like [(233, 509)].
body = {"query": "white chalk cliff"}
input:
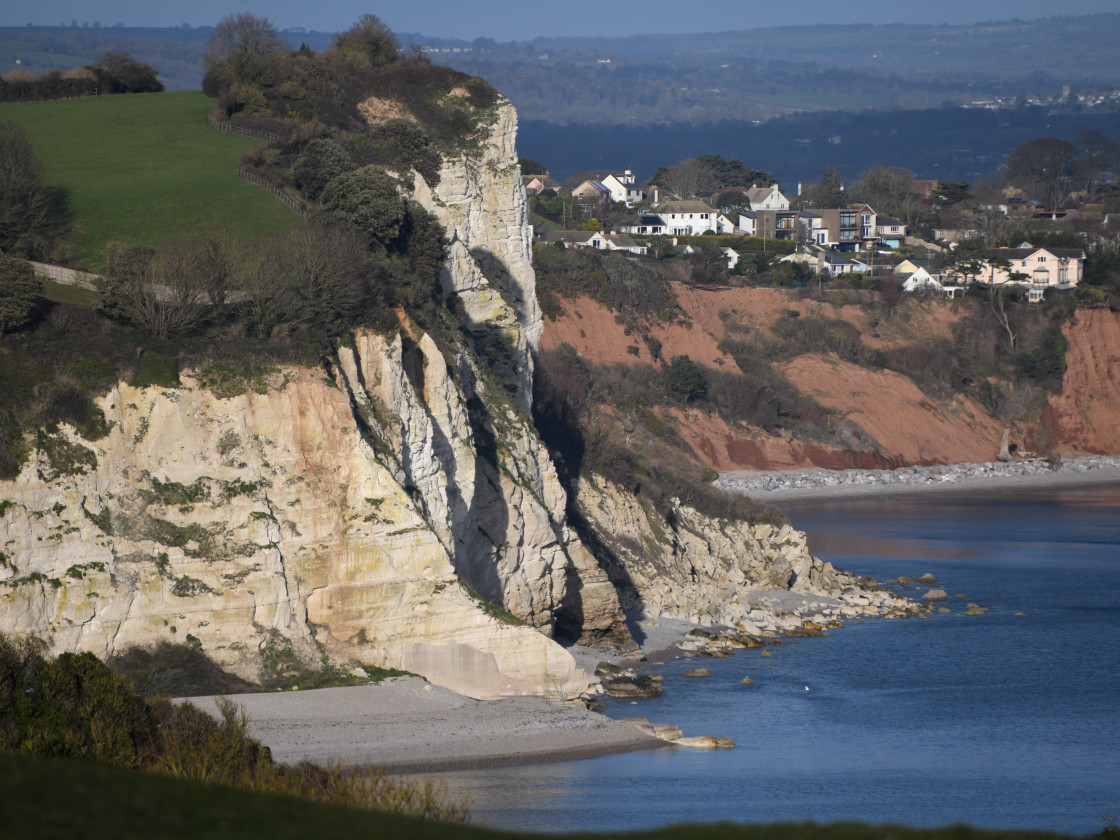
[(401, 512)]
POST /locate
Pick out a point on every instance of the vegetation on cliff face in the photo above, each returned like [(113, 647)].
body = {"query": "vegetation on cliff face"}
[(360, 102), (1006, 359), (237, 301)]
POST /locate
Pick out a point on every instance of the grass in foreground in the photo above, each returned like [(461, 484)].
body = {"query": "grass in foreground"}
[(144, 168), (58, 798)]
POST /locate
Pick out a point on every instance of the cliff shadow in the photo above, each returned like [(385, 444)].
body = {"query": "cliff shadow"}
[(501, 279)]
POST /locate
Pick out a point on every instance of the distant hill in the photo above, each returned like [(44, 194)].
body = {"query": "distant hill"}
[(762, 73)]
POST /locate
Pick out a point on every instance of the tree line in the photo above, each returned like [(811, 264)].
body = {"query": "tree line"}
[(114, 72)]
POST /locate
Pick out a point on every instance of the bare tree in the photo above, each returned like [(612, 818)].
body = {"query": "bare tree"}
[(1043, 167), (217, 260), (243, 45), (998, 298), (319, 270), (688, 179), (256, 276), (164, 296), (890, 190), (1096, 152)]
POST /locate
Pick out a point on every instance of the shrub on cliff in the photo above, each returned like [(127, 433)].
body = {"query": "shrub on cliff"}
[(29, 210), (685, 378), (19, 291)]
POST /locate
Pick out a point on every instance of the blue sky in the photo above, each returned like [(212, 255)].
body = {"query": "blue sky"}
[(506, 20)]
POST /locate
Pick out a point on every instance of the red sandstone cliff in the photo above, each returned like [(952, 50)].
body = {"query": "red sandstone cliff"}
[(885, 419)]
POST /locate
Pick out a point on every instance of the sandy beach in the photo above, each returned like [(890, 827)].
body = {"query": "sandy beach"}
[(408, 726)]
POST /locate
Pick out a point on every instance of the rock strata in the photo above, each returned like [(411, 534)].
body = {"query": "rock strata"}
[(745, 580)]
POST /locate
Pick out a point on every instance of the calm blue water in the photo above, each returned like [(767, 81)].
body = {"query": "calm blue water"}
[(1000, 721)]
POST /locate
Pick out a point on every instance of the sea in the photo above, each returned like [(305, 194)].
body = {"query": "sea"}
[(1005, 720)]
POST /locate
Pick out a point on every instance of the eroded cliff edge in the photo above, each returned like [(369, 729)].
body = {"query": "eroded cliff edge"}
[(397, 510)]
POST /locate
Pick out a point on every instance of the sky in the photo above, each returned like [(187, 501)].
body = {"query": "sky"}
[(507, 20)]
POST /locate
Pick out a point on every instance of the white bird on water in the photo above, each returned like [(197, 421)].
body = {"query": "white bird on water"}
[(806, 688)]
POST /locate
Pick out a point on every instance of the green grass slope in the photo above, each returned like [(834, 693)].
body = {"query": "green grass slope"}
[(144, 168), (60, 798)]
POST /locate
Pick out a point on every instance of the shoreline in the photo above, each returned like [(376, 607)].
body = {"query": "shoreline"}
[(409, 726), (812, 485)]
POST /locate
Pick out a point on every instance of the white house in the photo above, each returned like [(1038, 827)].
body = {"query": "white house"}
[(688, 218), (834, 263), (725, 227), (730, 254), (918, 280), (767, 198), (596, 239), (623, 188), (748, 223)]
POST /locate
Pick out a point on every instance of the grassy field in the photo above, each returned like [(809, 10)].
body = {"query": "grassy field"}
[(59, 798), (145, 168)]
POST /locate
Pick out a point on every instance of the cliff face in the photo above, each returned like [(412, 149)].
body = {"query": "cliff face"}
[(1082, 418), (404, 514), (481, 202), (885, 420), (401, 511)]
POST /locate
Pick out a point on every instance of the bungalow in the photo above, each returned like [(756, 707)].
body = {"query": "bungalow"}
[(835, 264), (533, 184), (730, 254), (595, 239), (951, 236), (810, 261)]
